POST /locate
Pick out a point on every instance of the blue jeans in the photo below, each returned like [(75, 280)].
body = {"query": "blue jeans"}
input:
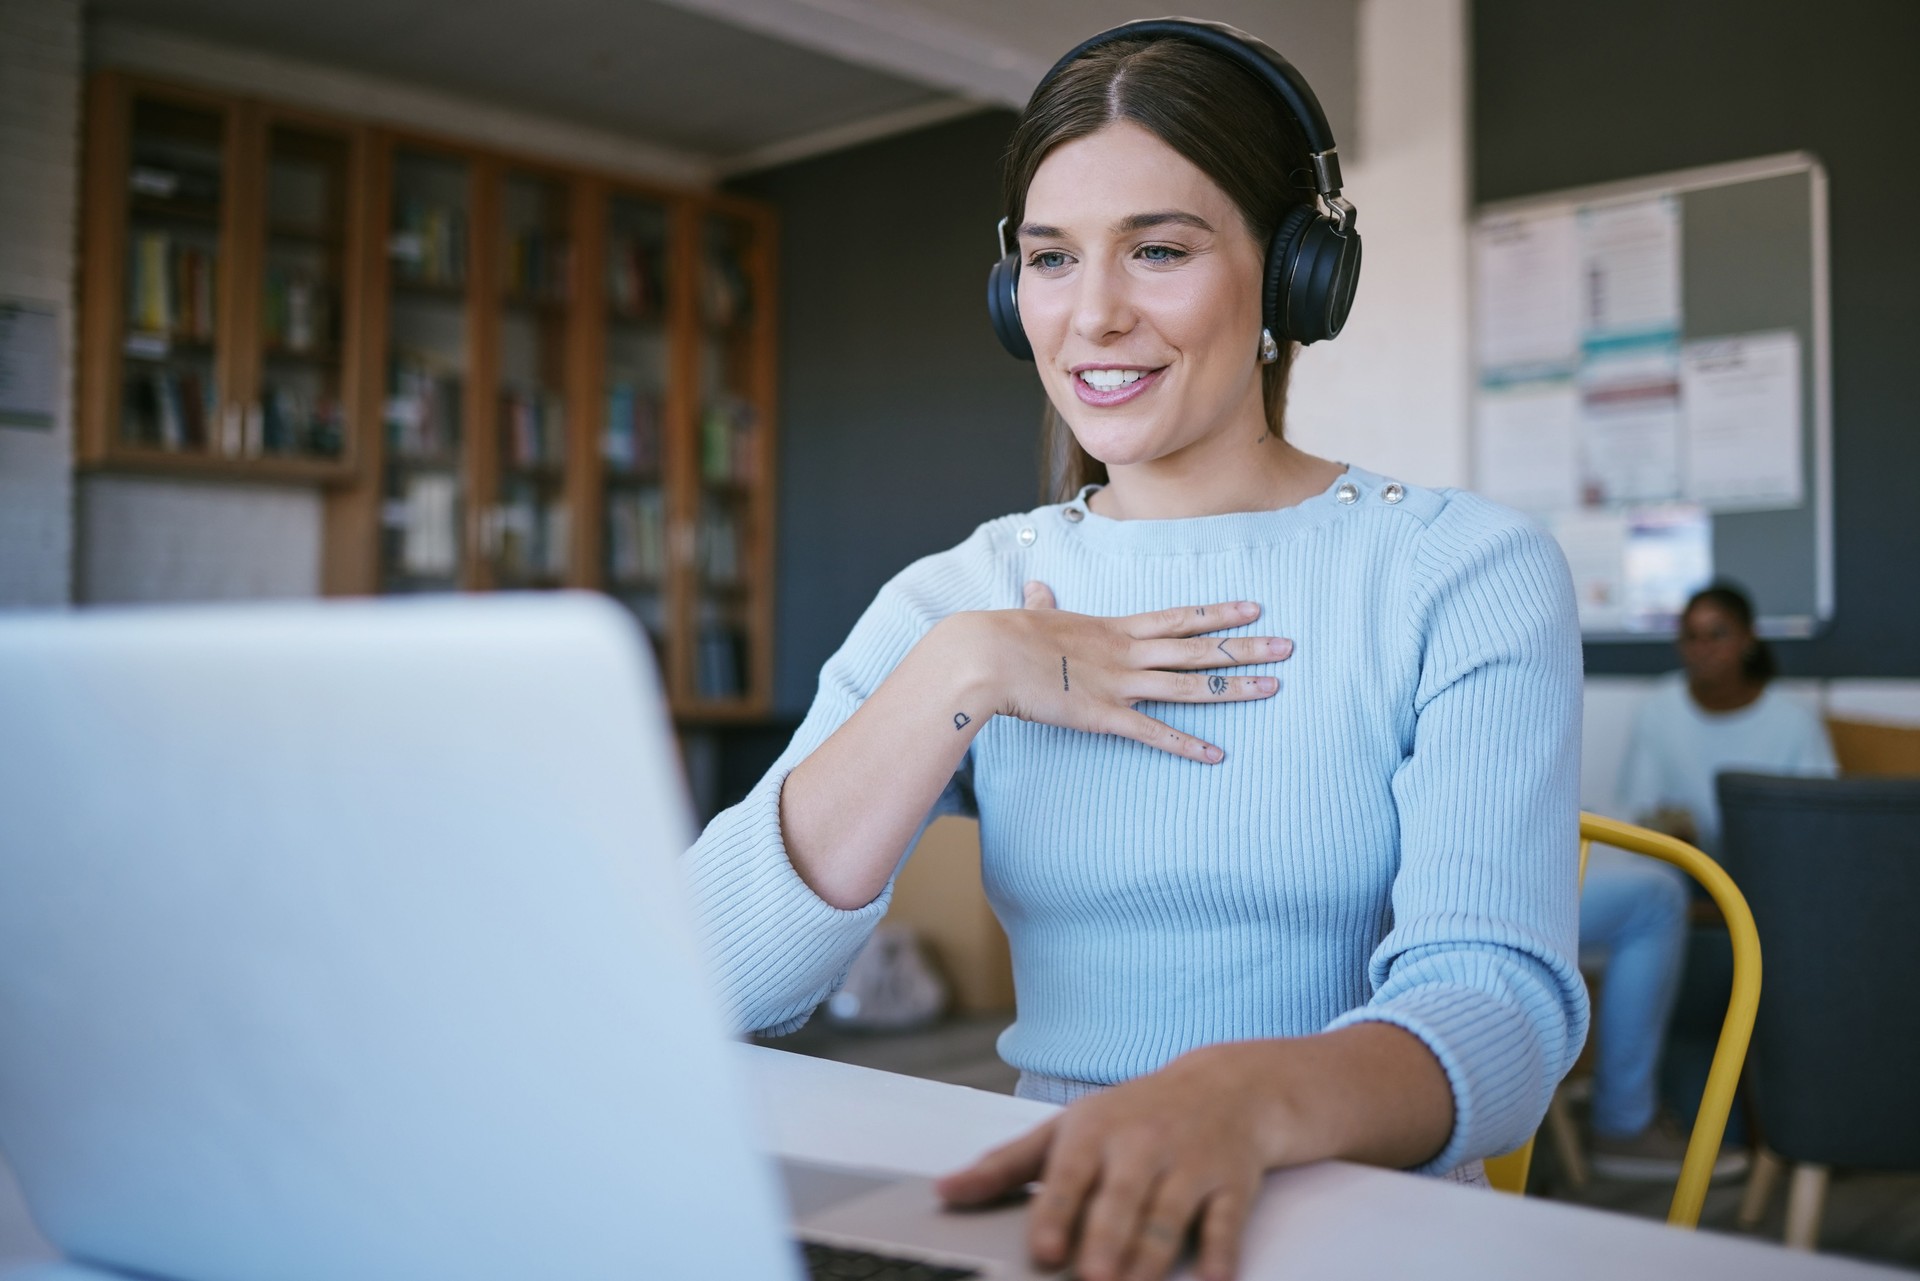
[(1633, 912)]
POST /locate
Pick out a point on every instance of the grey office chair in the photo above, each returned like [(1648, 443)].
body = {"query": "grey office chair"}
[(1831, 868)]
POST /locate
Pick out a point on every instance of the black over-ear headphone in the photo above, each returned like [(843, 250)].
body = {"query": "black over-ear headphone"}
[(1313, 262)]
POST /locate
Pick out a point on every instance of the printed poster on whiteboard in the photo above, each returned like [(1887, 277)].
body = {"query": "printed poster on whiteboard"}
[(1527, 288), (1630, 424), (1743, 421), (1630, 271), (1525, 446)]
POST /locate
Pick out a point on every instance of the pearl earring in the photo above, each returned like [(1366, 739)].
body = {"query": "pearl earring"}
[(1269, 349)]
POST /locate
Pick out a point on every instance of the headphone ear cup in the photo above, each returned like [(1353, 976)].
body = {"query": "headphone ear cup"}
[(1312, 271), (1003, 307)]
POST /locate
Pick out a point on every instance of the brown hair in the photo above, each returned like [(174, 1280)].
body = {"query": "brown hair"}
[(1219, 115)]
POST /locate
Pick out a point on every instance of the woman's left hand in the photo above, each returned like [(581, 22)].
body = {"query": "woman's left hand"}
[(1127, 1174)]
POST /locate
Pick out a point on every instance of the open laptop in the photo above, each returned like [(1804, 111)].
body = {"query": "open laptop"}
[(347, 940)]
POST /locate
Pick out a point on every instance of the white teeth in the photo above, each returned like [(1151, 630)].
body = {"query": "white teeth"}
[(1110, 379)]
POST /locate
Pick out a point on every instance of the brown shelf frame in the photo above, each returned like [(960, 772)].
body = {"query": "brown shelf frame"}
[(240, 230)]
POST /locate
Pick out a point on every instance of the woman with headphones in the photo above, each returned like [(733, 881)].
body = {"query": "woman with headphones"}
[(1275, 759)]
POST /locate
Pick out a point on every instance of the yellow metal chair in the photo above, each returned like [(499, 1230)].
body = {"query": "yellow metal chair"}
[(1509, 1173)]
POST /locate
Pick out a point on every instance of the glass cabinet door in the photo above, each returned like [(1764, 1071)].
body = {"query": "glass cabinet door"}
[(177, 188), (298, 409), (729, 406), (634, 541), (527, 531), (422, 486)]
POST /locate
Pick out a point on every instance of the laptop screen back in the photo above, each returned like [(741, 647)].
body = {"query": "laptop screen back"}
[(345, 940)]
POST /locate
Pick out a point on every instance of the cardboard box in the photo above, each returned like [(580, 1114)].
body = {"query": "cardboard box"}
[(939, 895)]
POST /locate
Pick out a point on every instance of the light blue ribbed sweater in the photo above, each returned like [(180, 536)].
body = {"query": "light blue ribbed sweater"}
[(1391, 836)]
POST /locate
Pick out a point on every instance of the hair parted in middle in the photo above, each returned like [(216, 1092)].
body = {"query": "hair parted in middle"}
[(1220, 116)]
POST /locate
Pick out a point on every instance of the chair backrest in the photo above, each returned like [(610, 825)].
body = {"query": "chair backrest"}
[(1509, 1172), (1832, 868)]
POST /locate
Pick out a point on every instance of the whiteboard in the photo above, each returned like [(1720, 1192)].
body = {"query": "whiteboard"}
[(1653, 381)]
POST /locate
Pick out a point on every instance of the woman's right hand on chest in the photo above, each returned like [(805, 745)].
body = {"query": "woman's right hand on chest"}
[(1084, 672)]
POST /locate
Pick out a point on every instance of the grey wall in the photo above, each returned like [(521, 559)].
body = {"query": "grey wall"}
[(903, 425), (1566, 95)]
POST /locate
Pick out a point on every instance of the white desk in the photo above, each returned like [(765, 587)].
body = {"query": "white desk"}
[(1326, 1222)]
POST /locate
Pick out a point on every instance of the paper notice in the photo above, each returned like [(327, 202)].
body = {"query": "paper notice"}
[(1630, 425), (1525, 445), (1595, 544), (1630, 269), (29, 364), (1527, 292), (1743, 421), (1669, 557)]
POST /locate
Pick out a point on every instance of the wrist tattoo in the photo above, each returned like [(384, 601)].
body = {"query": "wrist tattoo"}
[(1063, 674), (961, 720), (1218, 684)]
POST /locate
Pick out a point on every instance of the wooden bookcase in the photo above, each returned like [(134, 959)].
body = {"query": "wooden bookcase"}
[(218, 285), (508, 374)]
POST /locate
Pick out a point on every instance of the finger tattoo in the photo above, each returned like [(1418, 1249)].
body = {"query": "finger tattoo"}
[(1224, 650), (1218, 684), (961, 720), (1064, 684)]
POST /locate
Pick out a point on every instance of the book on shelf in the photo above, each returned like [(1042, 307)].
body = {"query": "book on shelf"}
[(423, 407), (293, 422), (718, 663), (719, 547), (636, 536), (299, 313), (539, 267), (424, 521), (636, 277), (527, 534), (170, 288), (630, 441), (428, 243), (728, 453), (168, 408), (533, 428), (726, 295)]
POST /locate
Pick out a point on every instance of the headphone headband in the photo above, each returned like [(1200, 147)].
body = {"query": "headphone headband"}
[(1257, 56)]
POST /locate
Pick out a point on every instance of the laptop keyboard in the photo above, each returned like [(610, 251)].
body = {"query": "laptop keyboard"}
[(838, 1263)]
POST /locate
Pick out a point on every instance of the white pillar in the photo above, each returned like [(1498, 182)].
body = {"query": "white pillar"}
[(1391, 393)]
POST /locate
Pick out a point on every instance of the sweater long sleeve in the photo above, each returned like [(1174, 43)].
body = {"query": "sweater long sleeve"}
[(1391, 837)]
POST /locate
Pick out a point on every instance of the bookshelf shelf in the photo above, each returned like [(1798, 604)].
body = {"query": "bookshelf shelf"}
[(419, 290), (294, 356), (306, 235), (154, 209)]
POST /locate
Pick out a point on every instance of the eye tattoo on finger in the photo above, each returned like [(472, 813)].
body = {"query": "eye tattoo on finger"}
[(1064, 684), (1218, 684), (961, 720)]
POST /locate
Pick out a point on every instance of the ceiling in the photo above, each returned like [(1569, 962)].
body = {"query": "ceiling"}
[(732, 85)]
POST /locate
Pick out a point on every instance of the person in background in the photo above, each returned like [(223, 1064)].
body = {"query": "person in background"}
[(1717, 713)]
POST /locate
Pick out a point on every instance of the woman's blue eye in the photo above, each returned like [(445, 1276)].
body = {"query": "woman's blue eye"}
[(1161, 253), (1047, 259)]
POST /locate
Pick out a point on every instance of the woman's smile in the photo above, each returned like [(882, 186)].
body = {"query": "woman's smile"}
[(1105, 386)]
